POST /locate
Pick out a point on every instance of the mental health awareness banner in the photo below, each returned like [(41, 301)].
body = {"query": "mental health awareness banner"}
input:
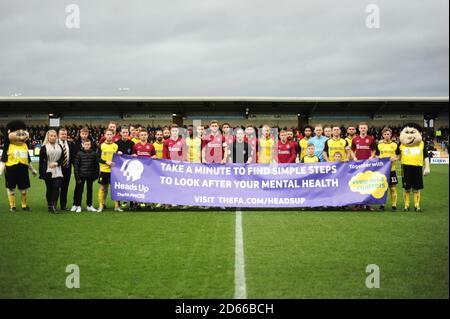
[(148, 180)]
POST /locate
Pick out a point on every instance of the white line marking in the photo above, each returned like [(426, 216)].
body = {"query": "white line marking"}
[(240, 289)]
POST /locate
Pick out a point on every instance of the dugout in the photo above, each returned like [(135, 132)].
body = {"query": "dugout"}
[(280, 111)]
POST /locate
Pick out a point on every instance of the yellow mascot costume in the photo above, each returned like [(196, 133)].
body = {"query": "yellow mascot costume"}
[(15, 163), (415, 163)]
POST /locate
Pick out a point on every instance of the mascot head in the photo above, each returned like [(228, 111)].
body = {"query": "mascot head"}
[(17, 132), (410, 134)]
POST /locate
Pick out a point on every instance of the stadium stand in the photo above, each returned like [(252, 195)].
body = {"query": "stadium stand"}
[(283, 113)]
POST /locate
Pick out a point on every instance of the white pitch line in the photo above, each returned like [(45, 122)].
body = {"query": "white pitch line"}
[(240, 289)]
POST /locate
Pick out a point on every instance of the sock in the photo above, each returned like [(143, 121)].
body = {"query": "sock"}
[(105, 196), (417, 199), (116, 204), (101, 198), (394, 196), (12, 200), (406, 198), (24, 200)]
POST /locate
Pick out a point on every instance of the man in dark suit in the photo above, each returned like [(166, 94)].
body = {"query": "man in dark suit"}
[(68, 156)]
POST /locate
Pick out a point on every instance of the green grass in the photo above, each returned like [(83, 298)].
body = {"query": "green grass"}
[(176, 254), (324, 255)]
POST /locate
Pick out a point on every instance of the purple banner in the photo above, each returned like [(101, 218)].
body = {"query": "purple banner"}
[(148, 180)]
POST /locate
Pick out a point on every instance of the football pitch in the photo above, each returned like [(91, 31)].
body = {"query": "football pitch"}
[(227, 254)]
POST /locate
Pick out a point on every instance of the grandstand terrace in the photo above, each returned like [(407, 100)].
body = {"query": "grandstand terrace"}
[(281, 112), (276, 111)]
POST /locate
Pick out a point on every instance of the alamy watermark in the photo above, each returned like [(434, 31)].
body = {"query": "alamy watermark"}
[(73, 279), (73, 16), (373, 279), (373, 17)]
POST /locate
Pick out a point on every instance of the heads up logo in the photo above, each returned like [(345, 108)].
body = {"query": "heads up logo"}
[(132, 170)]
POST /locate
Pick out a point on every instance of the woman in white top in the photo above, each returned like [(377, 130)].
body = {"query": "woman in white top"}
[(50, 161)]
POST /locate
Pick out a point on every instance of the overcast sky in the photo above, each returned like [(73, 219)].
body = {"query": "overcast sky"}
[(225, 48)]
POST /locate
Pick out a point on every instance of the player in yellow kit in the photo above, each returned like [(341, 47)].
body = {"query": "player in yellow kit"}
[(336, 144), (351, 133), (134, 133), (266, 146), (388, 148), (310, 157), (158, 144), (106, 150), (194, 144), (303, 143), (194, 148)]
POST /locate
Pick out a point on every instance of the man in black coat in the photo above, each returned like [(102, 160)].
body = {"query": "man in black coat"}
[(69, 154)]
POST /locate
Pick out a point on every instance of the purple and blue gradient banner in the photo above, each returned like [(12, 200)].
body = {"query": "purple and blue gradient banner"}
[(148, 180)]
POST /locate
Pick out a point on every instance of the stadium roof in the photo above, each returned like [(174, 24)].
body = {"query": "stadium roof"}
[(232, 104), (224, 99)]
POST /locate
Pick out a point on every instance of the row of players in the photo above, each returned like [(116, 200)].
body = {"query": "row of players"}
[(224, 147), (58, 155), (219, 146)]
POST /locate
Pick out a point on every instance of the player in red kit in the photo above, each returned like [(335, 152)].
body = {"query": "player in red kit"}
[(252, 140), (284, 150), (112, 126), (228, 134), (175, 148), (166, 132), (363, 148), (363, 145), (293, 141), (143, 147), (214, 147)]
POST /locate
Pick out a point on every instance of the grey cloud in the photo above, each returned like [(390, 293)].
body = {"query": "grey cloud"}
[(226, 48)]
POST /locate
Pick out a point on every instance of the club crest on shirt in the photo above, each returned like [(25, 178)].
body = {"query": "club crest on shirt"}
[(20, 154)]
